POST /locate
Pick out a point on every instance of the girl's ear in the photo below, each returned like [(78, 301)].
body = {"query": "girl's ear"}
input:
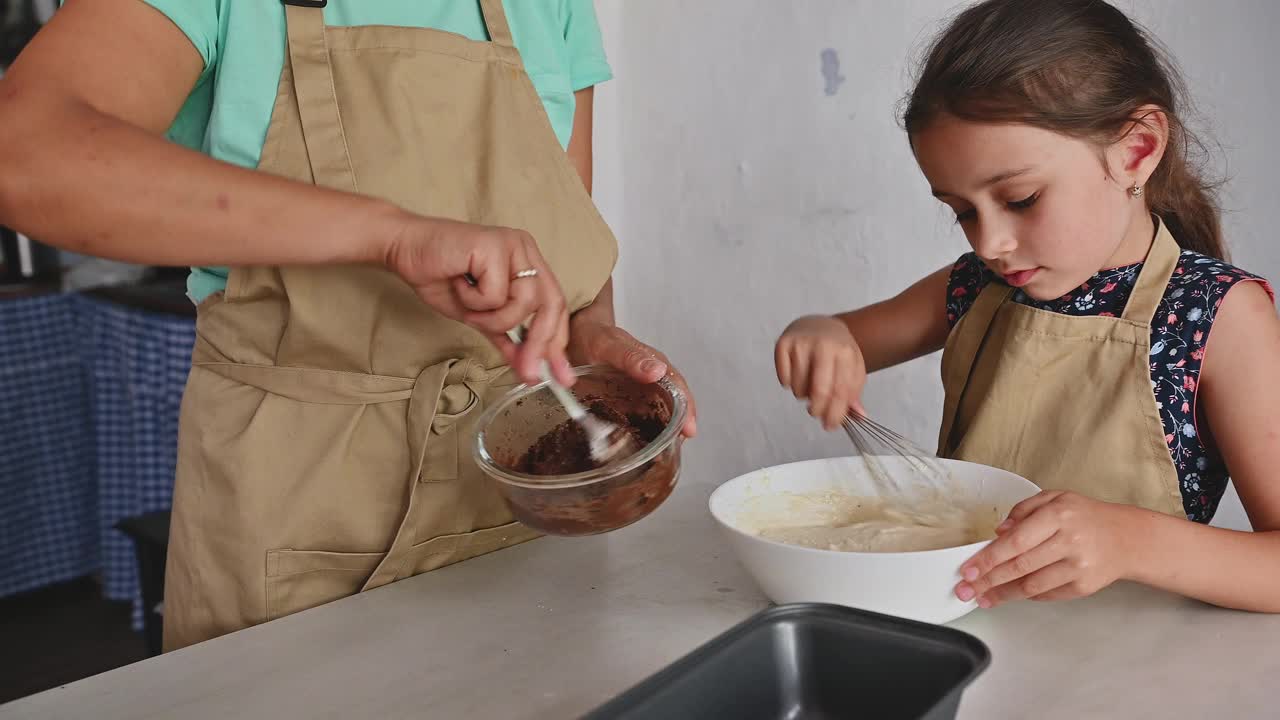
[(1134, 157)]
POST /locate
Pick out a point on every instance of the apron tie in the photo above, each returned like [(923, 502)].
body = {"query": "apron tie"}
[(442, 394)]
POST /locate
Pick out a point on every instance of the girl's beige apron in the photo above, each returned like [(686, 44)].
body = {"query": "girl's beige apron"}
[(1064, 401), (324, 431)]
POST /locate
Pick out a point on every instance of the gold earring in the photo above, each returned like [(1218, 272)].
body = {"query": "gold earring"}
[(1136, 190)]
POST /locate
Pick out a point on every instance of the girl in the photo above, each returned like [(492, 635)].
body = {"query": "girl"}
[(1095, 341)]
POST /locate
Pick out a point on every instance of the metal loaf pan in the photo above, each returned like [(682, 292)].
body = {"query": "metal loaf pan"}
[(802, 661)]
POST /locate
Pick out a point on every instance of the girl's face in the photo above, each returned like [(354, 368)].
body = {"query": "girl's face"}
[(1038, 207)]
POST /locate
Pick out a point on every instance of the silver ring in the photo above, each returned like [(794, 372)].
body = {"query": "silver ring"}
[(531, 272)]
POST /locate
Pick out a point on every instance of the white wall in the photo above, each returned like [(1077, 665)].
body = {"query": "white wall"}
[(745, 195)]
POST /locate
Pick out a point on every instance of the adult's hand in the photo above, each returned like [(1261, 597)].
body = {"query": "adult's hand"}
[(513, 285), (602, 343)]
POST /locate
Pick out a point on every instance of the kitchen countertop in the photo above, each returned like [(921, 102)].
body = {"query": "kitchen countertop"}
[(555, 627)]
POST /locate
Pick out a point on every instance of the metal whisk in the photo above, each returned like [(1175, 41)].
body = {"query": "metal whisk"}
[(867, 434)]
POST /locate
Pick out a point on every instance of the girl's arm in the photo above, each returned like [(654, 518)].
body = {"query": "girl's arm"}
[(1241, 401), (825, 360), (909, 325)]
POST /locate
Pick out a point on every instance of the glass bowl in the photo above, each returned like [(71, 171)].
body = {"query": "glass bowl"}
[(596, 500)]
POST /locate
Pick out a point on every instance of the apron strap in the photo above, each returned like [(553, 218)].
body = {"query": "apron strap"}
[(317, 102), (977, 321), (1154, 277), (495, 20)]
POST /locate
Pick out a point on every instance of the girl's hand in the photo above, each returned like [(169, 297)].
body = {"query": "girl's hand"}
[(1054, 546), (818, 359)]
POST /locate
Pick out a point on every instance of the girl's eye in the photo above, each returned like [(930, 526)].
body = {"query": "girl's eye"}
[(1025, 203)]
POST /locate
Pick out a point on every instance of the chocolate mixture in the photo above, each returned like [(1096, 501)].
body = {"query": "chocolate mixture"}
[(601, 506), (564, 450)]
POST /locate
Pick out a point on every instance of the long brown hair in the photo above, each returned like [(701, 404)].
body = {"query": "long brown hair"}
[(1076, 67)]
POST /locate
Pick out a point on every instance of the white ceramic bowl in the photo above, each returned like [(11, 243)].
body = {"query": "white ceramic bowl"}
[(915, 585)]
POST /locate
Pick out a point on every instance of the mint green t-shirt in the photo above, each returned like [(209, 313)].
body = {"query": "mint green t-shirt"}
[(243, 46)]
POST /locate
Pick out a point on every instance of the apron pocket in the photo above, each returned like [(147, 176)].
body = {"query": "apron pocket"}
[(302, 579), (448, 549)]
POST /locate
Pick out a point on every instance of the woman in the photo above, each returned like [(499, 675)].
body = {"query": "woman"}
[(342, 361)]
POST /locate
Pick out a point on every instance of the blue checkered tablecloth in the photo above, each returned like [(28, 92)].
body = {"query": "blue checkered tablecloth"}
[(90, 392), (48, 502), (137, 367)]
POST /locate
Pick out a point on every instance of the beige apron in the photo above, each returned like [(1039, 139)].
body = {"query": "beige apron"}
[(324, 443), (1064, 401)]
